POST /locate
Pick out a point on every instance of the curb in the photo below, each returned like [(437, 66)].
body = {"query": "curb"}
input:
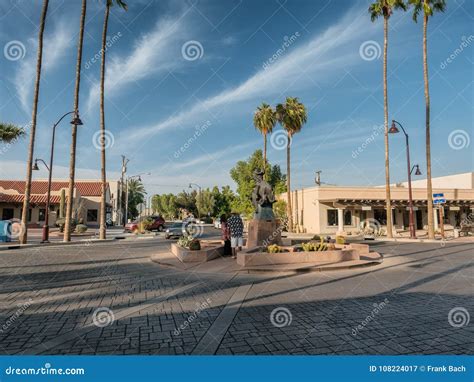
[(55, 244)]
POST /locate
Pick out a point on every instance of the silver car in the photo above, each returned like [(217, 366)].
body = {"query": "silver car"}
[(175, 230)]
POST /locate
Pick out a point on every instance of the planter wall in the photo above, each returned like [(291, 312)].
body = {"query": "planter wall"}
[(206, 253)]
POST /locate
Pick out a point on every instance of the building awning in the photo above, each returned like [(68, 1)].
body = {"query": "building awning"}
[(34, 199), (381, 203)]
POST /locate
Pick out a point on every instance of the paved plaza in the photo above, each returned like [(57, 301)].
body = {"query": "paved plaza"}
[(111, 298)]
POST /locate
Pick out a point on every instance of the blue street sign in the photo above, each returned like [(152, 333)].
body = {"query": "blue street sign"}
[(438, 196), (439, 201)]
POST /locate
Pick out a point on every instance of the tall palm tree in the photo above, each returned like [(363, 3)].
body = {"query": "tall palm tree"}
[(31, 148), (428, 7), (292, 116), (72, 160), (264, 121), (10, 132), (384, 8), (103, 227)]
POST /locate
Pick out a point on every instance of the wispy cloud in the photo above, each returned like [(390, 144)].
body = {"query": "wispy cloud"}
[(322, 56), (154, 52), (56, 45)]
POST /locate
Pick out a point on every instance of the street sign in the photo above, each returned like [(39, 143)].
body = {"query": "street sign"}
[(414, 208), (366, 208), (439, 201), (438, 196)]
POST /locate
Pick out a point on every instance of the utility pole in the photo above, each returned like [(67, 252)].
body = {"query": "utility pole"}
[(123, 218)]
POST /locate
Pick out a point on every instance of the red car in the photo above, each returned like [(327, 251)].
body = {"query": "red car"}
[(158, 224)]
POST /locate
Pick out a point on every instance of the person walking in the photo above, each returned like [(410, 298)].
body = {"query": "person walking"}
[(236, 227), (226, 236)]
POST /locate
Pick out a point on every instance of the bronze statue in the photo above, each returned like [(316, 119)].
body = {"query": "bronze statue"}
[(262, 197)]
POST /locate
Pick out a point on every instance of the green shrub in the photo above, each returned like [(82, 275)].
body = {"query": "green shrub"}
[(313, 246), (340, 240), (190, 243), (195, 245), (274, 248), (81, 228), (316, 237)]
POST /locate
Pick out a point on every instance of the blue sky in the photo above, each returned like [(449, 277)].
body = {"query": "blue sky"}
[(158, 94)]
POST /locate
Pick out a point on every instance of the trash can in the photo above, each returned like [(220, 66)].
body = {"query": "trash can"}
[(5, 231)]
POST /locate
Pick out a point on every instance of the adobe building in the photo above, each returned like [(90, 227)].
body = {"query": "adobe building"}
[(328, 209)]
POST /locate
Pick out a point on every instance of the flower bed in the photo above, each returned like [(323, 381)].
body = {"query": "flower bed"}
[(208, 250)]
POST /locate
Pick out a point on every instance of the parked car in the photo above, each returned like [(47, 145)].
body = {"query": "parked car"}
[(157, 224), (175, 230)]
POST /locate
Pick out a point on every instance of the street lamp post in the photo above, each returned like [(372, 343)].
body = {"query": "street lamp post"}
[(75, 121), (394, 130)]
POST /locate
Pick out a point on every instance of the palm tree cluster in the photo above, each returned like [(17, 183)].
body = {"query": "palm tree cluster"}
[(385, 8), (9, 132), (292, 116)]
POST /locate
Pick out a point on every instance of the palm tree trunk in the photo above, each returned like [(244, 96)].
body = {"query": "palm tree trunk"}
[(31, 148), (103, 229), (429, 188), (385, 109), (288, 185), (72, 161), (265, 155)]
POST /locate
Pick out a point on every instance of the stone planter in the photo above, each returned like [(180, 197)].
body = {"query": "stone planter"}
[(209, 251), (342, 253)]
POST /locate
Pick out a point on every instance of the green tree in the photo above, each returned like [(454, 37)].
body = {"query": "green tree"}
[(384, 8), (136, 196), (243, 175), (428, 7), (187, 201), (205, 203), (223, 200), (292, 116), (103, 226), (72, 160), (264, 121), (31, 147), (10, 132)]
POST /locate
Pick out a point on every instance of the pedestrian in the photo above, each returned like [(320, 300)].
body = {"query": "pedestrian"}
[(226, 236), (236, 227)]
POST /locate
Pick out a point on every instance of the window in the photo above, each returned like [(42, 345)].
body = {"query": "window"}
[(347, 217), (30, 211), (42, 214), (7, 214), (91, 215), (332, 217)]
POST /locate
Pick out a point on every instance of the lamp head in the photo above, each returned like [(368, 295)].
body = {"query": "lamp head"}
[(76, 121), (35, 166), (393, 129), (417, 171)]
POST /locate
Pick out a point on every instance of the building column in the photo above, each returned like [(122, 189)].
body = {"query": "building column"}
[(435, 216), (340, 220)]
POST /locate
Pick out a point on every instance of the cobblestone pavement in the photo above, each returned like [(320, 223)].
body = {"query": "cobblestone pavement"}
[(111, 299)]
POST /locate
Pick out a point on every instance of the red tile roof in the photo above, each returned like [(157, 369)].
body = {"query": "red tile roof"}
[(40, 187), (35, 199)]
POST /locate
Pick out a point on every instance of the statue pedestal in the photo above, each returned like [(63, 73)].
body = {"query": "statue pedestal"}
[(263, 233)]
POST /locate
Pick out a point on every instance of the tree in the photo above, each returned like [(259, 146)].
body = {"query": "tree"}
[(205, 203), (136, 196), (243, 174), (187, 201), (10, 132), (384, 8), (165, 205), (292, 116), (222, 201), (103, 226), (428, 7), (72, 160), (31, 148), (264, 121)]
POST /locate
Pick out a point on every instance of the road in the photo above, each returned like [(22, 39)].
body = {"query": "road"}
[(111, 299)]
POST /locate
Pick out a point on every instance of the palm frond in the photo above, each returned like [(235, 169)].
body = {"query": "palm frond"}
[(10, 132)]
